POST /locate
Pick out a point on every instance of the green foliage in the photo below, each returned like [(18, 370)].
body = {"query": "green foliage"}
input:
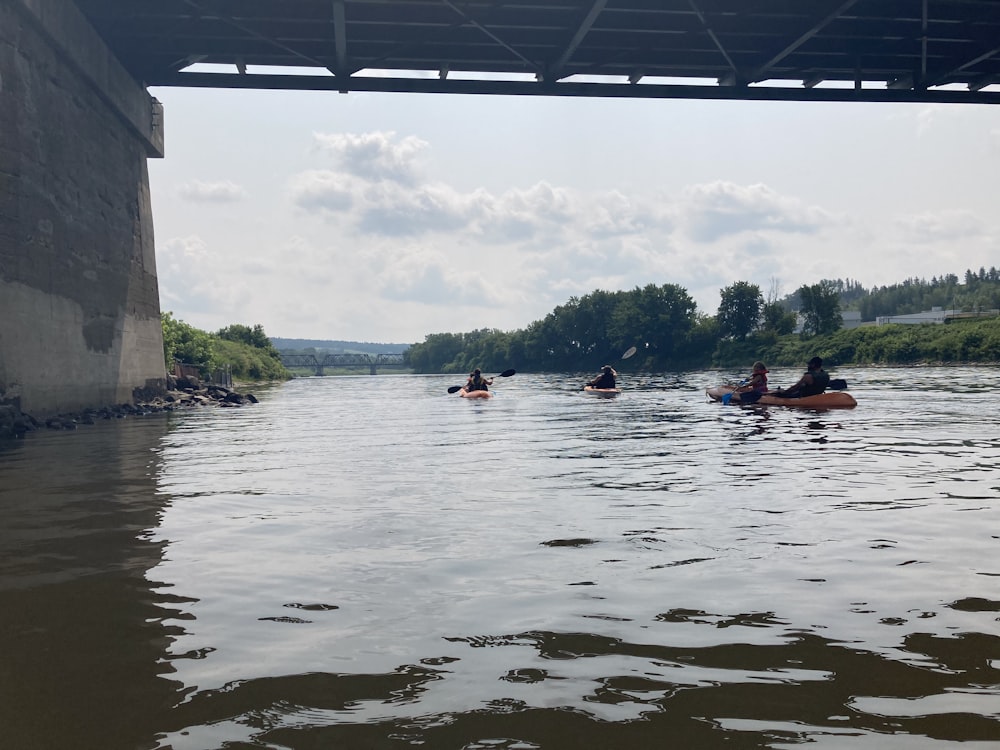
[(663, 322), (980, 291), (776, 319), (247, 351), (959, 341), (253, 337), (186, 343), (740, 309), (249, 362), (582, 334), (820, 308)]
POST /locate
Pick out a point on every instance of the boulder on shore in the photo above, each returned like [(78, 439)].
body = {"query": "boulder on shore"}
[(186, 392)]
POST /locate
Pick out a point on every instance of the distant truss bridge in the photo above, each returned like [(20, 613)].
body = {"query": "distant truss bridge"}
[(317, 363)]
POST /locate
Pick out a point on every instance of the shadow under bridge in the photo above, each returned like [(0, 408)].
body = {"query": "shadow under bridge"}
[(317, 363)]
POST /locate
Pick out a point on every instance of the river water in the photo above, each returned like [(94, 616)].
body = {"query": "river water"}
[(369, 562)]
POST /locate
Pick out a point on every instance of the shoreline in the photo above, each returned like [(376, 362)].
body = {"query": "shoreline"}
[(181, 393)]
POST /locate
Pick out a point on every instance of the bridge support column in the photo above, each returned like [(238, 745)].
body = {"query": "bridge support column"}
[(79, 302)]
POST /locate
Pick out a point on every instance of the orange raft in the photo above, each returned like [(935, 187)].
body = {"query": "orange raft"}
[(474, 394), (828, 400)]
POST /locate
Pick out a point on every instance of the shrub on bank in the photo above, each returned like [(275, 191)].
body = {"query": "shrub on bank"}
[(896, 344), (247, 352)]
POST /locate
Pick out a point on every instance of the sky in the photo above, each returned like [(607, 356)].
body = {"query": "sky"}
[(387, 217)]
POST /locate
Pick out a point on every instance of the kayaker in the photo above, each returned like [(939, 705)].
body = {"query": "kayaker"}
[(813, 382), (606, 379), (757, 382), (477, 382)]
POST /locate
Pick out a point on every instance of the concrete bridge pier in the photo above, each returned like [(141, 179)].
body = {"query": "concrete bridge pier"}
[(79, 302)]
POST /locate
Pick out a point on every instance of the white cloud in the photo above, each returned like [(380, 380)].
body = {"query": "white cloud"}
[(390, 209), (419, 278), (714, 210), (938, 226), (323, 191), (212, 192), (374, 156), (378, 234), (193, 279)]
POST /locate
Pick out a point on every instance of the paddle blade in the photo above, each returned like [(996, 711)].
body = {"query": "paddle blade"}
[(507, 373), (727, 398), (455, 389), (838, 384), (628, 352)]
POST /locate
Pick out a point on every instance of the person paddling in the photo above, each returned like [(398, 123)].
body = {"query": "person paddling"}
[(477, 382), (757, 382), (606, 380), (813, 382)]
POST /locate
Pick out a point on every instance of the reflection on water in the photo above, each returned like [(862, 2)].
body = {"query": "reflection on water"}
[(82, 634), (370, 562)]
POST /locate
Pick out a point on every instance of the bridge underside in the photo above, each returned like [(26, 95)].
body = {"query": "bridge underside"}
[(839, 50)]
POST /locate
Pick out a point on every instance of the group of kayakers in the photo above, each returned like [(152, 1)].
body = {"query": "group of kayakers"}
[(813, 382)]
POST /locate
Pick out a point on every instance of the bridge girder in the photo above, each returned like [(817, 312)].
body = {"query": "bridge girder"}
[(826, 50)]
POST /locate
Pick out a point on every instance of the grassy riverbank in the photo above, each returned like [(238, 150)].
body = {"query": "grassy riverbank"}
[(957, 342)]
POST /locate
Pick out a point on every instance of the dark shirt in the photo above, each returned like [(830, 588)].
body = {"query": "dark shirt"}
[(820, 381), (604, 380)]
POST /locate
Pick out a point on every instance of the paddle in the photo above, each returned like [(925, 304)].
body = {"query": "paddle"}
[(729, 396), (504, 374)]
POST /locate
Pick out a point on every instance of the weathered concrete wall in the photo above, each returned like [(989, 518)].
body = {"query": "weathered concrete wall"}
[(79, 303)]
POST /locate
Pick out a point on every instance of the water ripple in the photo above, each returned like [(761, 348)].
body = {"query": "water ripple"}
[(541, 570)]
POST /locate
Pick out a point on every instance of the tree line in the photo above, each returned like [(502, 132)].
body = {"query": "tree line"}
[(669, 331), (671, 334)]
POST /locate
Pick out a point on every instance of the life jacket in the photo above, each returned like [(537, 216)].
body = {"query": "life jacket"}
[(478, 383), (604, 380), (761, 386), (820, 382)]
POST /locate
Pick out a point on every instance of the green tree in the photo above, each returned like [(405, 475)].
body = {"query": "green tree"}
[(820, 308), (775, 318), (186, 343), (254, 337), (436, 350), (248, 362), (660, 318), (740, 309)]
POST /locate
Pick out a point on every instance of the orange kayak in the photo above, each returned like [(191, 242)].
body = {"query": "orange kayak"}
[(828, 400), (475, 394), (606, 392)]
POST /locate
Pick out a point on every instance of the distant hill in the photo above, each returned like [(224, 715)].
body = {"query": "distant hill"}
[(337, 347)]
